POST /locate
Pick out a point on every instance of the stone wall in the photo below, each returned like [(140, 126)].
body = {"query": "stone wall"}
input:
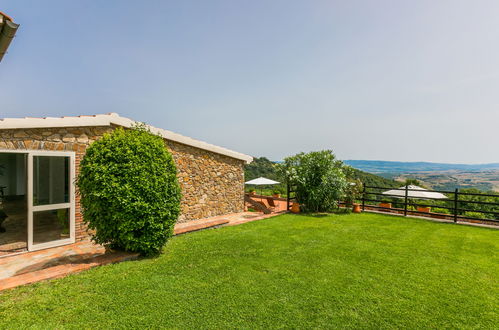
[(212, 184)]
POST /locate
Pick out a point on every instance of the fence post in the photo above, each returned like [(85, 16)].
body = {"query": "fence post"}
[(405, 203), (288, 192), (456, 194), (364, 198)]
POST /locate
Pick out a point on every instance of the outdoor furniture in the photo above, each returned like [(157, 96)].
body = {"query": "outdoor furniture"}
[(257, 205), (272, 204), (261, 181), (414, 192)]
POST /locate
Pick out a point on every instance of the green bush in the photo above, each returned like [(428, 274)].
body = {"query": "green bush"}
[(319, 180), (440, 210), (343, 210), (129, 191), (477, 215)]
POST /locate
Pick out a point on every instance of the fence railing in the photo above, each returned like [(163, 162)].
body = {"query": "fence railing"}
[(289, 198), (460, 205)]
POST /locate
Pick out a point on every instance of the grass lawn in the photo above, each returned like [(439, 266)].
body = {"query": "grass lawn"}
[(295, 271)]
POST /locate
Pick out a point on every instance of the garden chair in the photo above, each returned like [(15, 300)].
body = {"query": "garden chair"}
[(272, 205)]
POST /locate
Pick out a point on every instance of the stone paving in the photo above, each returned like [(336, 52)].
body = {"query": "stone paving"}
[(23, 263)]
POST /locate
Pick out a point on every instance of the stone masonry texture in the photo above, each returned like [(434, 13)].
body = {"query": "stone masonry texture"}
[(212, 184)]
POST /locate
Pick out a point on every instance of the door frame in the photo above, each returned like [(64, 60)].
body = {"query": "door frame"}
[(29, 200)]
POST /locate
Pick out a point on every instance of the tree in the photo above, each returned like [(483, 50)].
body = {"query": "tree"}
[(130, 195), (353, 190), (412, 182), (263, 167), (318, 178)]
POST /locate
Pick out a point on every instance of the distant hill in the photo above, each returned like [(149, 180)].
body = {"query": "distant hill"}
[(484, 177), (380, 166), (374, 180)]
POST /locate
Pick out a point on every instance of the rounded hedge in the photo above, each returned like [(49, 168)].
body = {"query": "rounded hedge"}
[(129, 190)]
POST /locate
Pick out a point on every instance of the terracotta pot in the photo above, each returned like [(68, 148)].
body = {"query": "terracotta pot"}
[(387, 205), (295, 207), (252, 193), (356, 208), (276, 195), (424, 209)]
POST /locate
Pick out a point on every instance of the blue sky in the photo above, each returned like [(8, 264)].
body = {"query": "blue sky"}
[(391, 80)]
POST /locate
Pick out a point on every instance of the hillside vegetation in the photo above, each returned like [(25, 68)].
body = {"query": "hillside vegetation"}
[(374, 180), (263, 167)]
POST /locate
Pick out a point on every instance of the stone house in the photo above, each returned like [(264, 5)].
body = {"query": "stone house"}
[(39, 161)]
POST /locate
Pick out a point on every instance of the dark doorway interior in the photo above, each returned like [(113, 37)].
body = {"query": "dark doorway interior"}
[(13, 203)]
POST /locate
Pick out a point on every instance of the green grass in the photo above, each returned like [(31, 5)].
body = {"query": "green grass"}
[(293, 271)]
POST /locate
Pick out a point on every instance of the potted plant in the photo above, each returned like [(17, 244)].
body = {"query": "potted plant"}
[(386, 203), (352, 194), (276, 194), (252, 191), (295, 207), (424, 209)]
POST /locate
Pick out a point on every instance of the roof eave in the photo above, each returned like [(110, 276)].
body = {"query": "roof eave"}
[(115, 119)]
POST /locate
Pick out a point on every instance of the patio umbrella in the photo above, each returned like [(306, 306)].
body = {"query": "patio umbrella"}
[(261, 181), (414, 192)]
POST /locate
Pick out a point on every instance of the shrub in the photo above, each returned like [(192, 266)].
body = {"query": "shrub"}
[(440, 210), (344, 210), (129, 191), (477, 215), (319, 180)]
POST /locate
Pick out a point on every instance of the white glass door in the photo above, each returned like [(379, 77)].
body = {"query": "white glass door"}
[(51, 220)]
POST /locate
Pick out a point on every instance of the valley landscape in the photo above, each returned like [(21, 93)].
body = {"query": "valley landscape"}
[(439, 176)]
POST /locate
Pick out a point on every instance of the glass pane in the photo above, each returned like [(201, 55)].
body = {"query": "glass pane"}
[(13, 203), (50, 225), (50, 180)]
